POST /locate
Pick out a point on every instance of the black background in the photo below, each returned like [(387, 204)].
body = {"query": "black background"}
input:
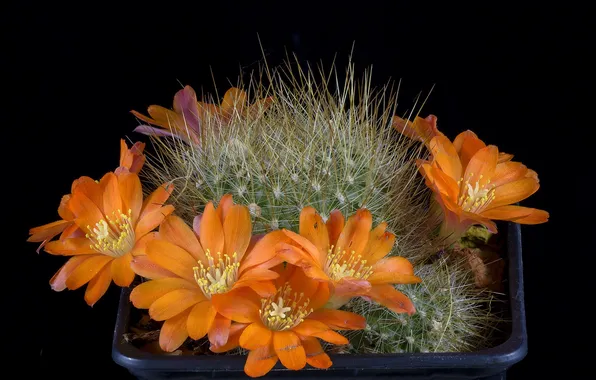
[(518, 75)]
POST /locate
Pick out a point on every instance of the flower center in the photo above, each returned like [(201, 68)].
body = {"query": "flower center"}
[(475, 198), (219, 276), (284, 309), (114, 237), (340, 264)]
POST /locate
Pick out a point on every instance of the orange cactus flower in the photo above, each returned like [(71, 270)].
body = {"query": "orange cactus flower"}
[(131, 160), (351, 257), (474, 184), (189, 269), (186, 119), (112, 222), (286, 326)]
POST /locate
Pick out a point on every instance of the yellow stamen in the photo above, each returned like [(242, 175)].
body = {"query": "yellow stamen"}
[(340, 264), (114, 238), (278, 317), (476, 198), (219, 276)]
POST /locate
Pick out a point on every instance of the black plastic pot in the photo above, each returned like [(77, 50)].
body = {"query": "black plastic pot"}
[(491, 363)]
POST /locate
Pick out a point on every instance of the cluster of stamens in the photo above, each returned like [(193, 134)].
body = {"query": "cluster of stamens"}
[(114, 237), (284, 309), (219, 276), (340, 264), (475, 198)]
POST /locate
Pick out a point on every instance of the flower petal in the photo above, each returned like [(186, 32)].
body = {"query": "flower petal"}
[(98, 286), (196, 224), (317, 291), (354, 236), (350, 287), (140, 247), (395, 270), (131, 192), (112, 202), (306, 246), (391, 298), (87, 187), (224, 206), (173, 332), (86, 212), (144, 267), (310, 327), (63, 209), (200, 319), (121, 270), (47, 231), (237, 230), (482, 165), (149, 221), (234, 98), (172, 258), (175, 230), (256, 274), (446, 186), (314, 229), (260, 361), (380, 243), (332, 337), (236, 330), (296, 256), (509, 171), (240, 305), (335, 224), (58, 281), (339, 319), (517, 214), (289, 349), (152, 131), (262, 288), (254, 336), (445, 155), (86, 270), (185, 104), (263, 251), (157, 199), (211, 233), (467, 144), (315, 355), (70, 247), (132, 159), (174, 303), (219, 331), (71, 231), (143, 295), (514, 192)]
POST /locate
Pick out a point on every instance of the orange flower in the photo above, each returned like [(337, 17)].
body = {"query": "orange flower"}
[(287, 325), (131, 160), (186, 119), (190, 269), (473, 183), (112, 222), (351, 257)]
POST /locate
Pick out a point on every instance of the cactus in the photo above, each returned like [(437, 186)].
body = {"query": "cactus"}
[(453, 315), (330, 148)]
